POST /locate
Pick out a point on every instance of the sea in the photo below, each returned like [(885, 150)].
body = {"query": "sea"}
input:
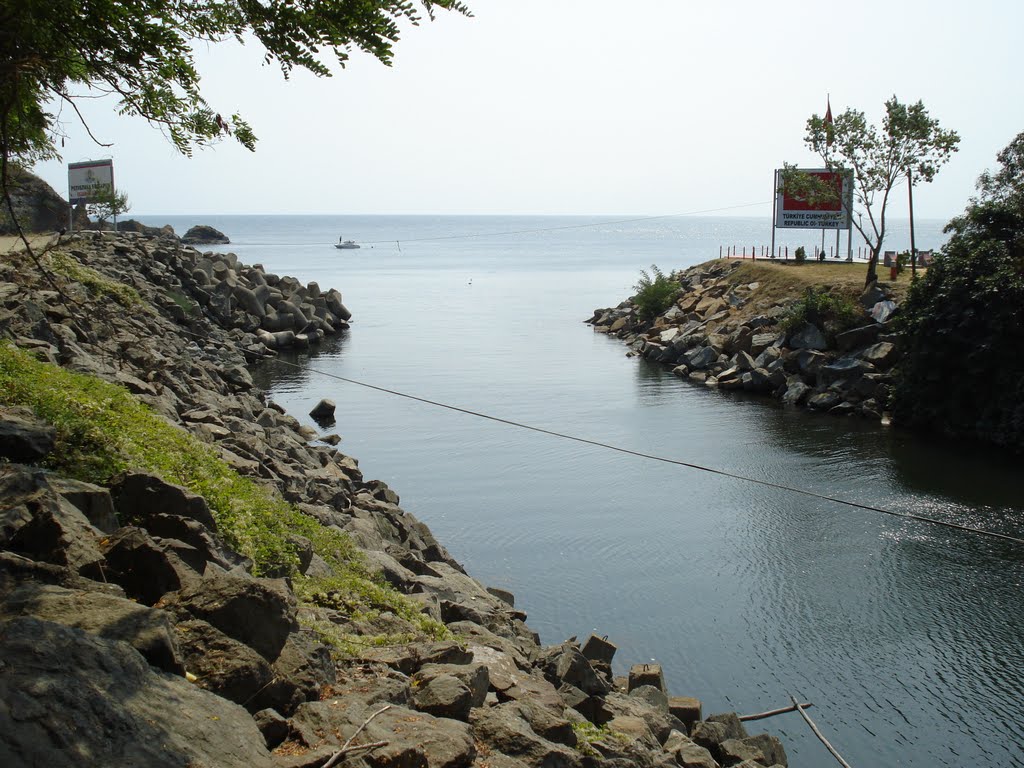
[(469, 367)]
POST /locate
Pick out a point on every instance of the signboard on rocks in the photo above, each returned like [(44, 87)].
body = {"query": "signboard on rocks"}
[(793, 212), (86, 180)]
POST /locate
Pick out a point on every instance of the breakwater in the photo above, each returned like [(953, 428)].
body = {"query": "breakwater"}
[(725, 331)]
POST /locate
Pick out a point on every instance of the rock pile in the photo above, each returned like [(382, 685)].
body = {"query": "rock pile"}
[(264, 311), (131, 634), (720, 333)]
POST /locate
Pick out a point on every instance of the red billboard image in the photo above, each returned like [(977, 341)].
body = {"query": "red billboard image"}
[(815, 211), (833, 179)]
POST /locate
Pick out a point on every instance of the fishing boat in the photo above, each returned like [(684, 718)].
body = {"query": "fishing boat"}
[(346, 244)]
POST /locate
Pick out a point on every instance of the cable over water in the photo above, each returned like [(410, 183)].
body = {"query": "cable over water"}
[(663, 459)]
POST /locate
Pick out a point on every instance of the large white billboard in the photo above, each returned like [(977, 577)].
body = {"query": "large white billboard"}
[(792, 211), (86, 179)]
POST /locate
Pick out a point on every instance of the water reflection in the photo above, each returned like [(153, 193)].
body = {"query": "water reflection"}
[(941, 472), (290, 370)]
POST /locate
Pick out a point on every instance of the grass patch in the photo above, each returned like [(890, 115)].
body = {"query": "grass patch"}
[(780, 279), (103, 430), (588, 733), (97, 284), (184, 302)]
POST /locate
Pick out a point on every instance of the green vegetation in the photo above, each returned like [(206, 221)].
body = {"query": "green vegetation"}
[(910, 144), (654, 294), (107, 203), (183, 301), (97, 284), (963, 371), (103, 430), (55, 52), (800, 254), (588, 733), (833, 313)]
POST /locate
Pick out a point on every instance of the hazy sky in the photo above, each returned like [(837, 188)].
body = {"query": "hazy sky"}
[(580, 106)]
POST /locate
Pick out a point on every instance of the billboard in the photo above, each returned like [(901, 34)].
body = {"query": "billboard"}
[(86, 179), (791, 211)]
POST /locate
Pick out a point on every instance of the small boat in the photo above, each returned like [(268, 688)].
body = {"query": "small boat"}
[(346, 244)]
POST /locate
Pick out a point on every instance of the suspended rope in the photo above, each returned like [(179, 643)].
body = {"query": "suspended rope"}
[(662, 459)]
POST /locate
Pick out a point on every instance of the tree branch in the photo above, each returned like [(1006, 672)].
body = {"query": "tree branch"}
[(345, 748)]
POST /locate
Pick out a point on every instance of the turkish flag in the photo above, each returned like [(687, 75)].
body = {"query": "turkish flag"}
[(829, 132)]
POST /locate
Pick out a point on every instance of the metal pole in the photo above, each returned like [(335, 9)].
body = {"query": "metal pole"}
[(913, 246), (775, 202)]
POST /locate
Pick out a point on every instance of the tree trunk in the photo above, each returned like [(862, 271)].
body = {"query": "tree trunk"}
[(872, 264)]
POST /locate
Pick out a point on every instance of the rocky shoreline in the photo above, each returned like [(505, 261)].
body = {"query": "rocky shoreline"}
[(721, 333), (131, 633)]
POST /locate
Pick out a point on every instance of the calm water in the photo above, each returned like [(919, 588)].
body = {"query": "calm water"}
[(907, 637)]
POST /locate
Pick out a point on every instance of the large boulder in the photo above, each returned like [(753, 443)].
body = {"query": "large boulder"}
[(808, 336), (257, 612), (69, 698), (566, 664), (147, 630), (411, 739), (846, 369), (139, 495), (38, 207), (504, 729), (450, 690), (38, 523), (656, 716), (202, 234), (23, 437), (701, 358), (883, 354), (222, 665), (146, 569)]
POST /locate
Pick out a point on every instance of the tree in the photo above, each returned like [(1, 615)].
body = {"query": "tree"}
[(107, 203), (909, 142), (141, 51), (54, 52), (963, 371)]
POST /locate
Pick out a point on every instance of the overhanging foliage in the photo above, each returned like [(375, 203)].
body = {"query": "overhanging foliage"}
[(141, 52), (963, 374)]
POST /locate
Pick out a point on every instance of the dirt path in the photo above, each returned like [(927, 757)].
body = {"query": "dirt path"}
[(11, 244)]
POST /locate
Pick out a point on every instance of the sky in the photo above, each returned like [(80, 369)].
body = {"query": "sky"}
[(647, 107)]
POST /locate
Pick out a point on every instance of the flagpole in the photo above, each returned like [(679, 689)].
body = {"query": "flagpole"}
[(775, 202)]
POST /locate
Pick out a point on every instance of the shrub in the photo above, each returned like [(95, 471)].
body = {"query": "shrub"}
[(800, 254), (654, 294), (963, 371), (831, 312)]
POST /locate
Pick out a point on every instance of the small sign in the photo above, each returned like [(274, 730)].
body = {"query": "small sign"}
[(86, 180)]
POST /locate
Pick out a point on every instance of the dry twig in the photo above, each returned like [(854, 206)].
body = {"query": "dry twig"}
[(773, 712), (345, 748), (821, 737)]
